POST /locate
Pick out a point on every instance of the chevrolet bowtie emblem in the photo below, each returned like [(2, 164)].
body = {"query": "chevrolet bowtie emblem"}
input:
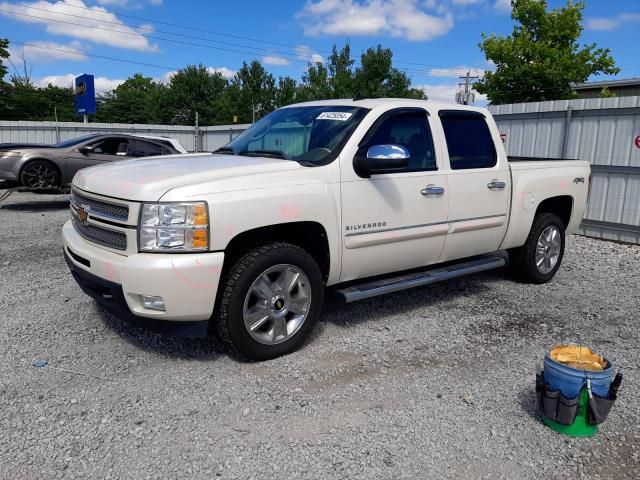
[(82, 214)]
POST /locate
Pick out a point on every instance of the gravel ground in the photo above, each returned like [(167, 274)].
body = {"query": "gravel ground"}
[(435, 382)]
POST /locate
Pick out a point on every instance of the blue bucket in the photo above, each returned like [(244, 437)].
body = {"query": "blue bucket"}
[(571, 380)]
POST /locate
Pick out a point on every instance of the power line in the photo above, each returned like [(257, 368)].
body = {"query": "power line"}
[(295, 47), (137, 34), (298, 55), (103, 57), (181, 42)]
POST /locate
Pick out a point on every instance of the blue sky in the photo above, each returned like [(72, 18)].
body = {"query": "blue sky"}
[(433, 40)]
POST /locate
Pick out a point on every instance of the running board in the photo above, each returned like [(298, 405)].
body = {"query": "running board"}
[(402, 282)]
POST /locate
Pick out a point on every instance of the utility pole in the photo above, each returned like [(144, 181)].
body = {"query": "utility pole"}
[(196, 135), (467, 96), (55, 114)]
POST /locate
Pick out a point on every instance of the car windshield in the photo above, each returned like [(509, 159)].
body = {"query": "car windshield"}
[(74, 141), (310, 135)]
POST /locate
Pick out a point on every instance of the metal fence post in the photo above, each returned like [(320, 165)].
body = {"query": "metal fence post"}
[(567, 126)]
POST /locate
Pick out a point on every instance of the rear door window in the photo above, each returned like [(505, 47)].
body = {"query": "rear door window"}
[(111, 146), (146, 149), (469, 140)]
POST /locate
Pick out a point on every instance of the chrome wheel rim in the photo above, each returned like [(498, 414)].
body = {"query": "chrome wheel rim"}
[(277, 304), (548, 249), (38, 175)]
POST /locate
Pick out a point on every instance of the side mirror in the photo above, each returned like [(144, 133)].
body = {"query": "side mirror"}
[(85, 149), (381, 158)]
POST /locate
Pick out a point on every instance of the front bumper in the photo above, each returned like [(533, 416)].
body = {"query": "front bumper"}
[(188, 283), (9, 168)]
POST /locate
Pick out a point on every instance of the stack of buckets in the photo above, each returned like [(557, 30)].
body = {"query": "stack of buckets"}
[(576, 382)]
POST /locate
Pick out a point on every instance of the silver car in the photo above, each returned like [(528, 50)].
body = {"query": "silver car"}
[(52, 166)]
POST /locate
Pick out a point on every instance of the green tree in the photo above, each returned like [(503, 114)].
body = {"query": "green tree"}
[(133, 101), (340, 66), (316, 84), (376, 77), (4, 87), (542, 58), (4, 55), (606, 93), (194, 89), (252, 89), (286, 92)]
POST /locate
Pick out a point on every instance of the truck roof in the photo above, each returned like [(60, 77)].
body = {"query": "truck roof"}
[(391, 102)]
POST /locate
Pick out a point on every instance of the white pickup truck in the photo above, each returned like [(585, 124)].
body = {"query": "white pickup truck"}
[(368, 197)]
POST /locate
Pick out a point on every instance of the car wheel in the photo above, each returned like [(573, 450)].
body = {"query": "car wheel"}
[(40, 174), (270, 300), (538, 260)]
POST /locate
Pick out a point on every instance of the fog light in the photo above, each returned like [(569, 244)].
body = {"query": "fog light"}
[(153, 303)]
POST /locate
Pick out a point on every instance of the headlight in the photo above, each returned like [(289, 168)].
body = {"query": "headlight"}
[(182, 227), (10, 154)]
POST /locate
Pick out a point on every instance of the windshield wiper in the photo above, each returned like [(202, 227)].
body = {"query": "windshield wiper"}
[(224, 150), (266, 153)]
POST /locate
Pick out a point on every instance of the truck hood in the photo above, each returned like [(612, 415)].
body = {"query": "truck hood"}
[(150, 179)]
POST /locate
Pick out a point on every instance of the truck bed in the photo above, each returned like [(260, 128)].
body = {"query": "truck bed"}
[(536, 159)]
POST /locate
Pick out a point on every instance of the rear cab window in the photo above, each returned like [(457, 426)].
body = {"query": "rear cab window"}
[(468, 139)]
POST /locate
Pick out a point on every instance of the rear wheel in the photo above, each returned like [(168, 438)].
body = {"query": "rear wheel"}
[(538, 260), (40, 174), (271, 299)]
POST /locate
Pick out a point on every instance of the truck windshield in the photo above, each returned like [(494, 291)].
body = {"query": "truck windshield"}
[(312, 135)]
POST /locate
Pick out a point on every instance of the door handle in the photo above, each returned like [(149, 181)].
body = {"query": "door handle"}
[(432, 191), (496, 184)]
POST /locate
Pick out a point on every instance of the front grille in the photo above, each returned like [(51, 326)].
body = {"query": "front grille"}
[(101, 236), (98, 207)]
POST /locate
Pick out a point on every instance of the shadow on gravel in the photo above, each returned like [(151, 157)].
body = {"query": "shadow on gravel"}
[(373, 309), (528, 402), (37, 206), (208, 349)]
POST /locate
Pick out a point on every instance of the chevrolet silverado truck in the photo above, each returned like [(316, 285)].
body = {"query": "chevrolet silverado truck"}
[(367, 197)]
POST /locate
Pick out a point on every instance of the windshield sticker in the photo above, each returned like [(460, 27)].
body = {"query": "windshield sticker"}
[(340, 116)]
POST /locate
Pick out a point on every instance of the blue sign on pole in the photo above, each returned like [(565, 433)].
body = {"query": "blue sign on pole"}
[(85, 95)]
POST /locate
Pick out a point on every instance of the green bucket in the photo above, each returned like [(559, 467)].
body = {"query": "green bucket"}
[(581, 426)]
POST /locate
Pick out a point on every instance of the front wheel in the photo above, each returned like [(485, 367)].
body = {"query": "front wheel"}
[(40, 174), (271, 299), (538, 260)]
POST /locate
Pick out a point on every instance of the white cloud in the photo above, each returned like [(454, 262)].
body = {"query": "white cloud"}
[(455, 72), (118, 3), (224, 71), (446, 93), (274, 60), (305, 53), (97, 23), (397, 18), (122, 3), (503, 6), (611, 23), (45, 52), (102, 84), (464, 3)]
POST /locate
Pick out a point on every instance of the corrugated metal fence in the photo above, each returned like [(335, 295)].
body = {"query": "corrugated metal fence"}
[(200, 139), (604, 131)]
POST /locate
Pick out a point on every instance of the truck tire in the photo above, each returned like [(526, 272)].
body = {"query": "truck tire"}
[(538, 260), (271, 299)]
